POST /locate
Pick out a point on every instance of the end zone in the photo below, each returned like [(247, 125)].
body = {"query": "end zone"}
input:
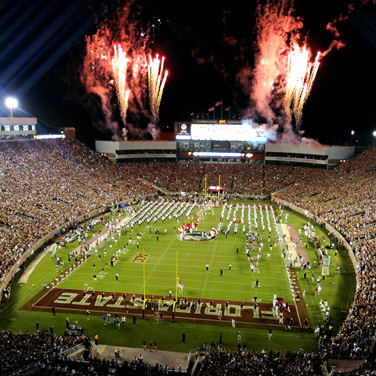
[(216, 312)]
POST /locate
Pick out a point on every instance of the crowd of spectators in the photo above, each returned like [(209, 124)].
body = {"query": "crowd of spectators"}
[(20, 349), (345, 198), (221, 362), (43, 184), (45, 353), (71, 365)]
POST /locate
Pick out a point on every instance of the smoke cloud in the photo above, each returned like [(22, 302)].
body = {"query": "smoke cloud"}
[(277, 31), (122, 27)]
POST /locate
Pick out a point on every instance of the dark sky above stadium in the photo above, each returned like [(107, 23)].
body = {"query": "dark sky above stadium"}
[(42, 45)]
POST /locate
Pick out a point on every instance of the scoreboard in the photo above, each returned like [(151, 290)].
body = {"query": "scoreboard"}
[(219, 139), (221, 130)]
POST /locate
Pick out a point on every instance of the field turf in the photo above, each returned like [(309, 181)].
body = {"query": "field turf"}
[(190, 258), (168, 257)]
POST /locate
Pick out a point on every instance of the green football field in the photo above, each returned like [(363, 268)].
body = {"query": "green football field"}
[(167, 257)]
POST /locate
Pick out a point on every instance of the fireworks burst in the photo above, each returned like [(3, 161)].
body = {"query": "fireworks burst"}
[(276, 28), (285, 68), (301, 73), (119, 68), (156, 83), (116, 62)]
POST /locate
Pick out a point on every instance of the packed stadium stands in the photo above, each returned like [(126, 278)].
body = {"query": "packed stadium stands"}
[(20, 349), (252, 363), (44, 184)]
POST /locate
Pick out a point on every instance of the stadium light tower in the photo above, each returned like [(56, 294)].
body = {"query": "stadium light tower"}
[(352, 137), (11, 103)]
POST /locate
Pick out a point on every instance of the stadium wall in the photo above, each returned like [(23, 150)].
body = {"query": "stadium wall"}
[(131, 151), (323, 156)]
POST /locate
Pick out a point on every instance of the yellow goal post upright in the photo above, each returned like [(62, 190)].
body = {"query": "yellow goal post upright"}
[(159, 300), (206, 187)]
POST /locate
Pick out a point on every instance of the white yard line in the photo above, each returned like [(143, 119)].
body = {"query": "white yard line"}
[(158, 262), (205, 285)]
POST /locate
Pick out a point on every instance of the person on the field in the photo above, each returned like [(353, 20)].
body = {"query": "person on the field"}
[(181, 286)]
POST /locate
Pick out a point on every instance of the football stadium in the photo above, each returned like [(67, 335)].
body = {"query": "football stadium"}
[(254, 262), (138, 239)]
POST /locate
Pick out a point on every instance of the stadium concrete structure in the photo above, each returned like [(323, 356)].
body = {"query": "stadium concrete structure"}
[(12, 128), (223, 141), (25, 128)]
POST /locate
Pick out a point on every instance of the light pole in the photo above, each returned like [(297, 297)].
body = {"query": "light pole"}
[(11, 103), (352, 137)]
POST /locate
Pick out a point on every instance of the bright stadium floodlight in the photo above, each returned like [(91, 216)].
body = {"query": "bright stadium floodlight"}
[(11, 103), (374, 137)]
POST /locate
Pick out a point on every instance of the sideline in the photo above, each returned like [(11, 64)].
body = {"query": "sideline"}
[(294, 252), (26, 274), (90, 242)]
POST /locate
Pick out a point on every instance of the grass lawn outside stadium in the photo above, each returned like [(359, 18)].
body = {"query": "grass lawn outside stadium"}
[(167, 257)]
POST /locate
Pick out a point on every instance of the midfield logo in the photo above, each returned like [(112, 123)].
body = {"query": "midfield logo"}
[(140, 257)]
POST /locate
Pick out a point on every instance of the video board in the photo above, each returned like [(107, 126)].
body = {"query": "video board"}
[(219, 132)]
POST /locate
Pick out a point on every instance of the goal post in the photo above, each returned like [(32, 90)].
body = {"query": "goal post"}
[(159, 301), (218, 187)]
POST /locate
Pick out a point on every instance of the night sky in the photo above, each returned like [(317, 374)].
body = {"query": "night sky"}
[(42, 47)]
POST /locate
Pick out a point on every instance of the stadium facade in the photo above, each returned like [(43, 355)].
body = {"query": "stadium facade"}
[(16, 128), (223, 141), (25, 128)]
